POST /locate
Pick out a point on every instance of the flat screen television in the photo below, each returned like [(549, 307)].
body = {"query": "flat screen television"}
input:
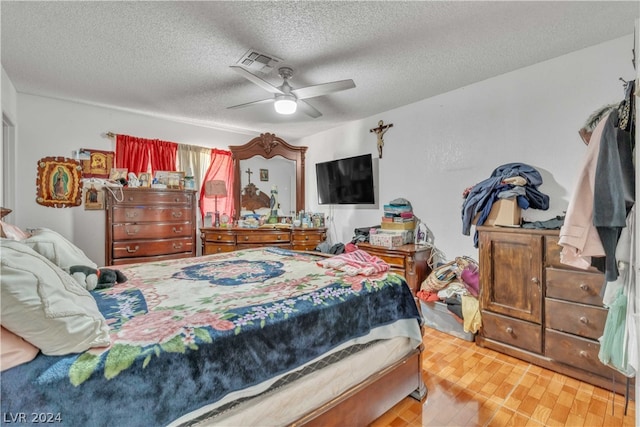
[(347, 181)]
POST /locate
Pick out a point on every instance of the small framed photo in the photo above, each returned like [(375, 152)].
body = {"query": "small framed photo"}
[(172, 179), (93, 198), (264, 174), (145, 180), (118, 173)]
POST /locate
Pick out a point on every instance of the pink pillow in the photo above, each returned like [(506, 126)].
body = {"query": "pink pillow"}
[(13, 232), (14, 350)]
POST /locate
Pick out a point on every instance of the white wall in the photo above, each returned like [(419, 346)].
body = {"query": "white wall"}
[(439, 146), (49, 127)]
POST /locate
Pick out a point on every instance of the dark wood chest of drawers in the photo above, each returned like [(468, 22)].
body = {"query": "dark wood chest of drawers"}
[(540, 310), (149, 224), (217, 240)]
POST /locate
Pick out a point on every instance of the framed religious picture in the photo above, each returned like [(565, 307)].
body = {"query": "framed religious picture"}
[(95, 163), (145, 179), (59, 182), (93, 198), (172, 179), (264, 174), (116, 174)]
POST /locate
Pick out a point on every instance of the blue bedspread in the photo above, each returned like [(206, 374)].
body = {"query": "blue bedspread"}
[(185, 333)]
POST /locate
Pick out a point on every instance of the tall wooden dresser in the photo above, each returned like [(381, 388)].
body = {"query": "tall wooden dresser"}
[(537, 309), (145, 224)]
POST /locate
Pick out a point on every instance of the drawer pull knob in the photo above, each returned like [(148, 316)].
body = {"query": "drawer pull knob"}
[(279, 237), (177, 230), (132, 214), (131, 198), (133, 250), (584, 287), (176, 214), (218, 250), (177, 245), (246, 238), (535, 280), (306, 237), (131, 232), (509, 330), (583, 353), (219, 237), (584, 320), (177, 199)]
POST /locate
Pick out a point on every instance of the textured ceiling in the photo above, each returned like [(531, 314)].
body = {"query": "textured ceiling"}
[(171, 59)]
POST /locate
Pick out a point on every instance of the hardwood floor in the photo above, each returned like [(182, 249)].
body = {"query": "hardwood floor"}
[(472, 386)]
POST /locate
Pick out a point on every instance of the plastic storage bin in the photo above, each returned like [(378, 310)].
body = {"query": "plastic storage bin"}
[(437, 316)]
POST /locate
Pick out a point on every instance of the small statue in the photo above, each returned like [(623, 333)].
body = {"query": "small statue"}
[(380, 131)]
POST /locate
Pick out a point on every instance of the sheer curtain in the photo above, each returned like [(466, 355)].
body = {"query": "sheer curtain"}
[(194, 159), (221, 167)]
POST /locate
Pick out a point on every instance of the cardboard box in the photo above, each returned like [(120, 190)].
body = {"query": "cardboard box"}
[(388, 240), (504, 213)]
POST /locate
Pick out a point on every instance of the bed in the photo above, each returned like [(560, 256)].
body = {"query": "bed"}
[(263, 336)]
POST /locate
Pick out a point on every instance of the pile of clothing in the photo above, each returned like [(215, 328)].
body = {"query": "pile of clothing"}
[(511, 180), (457, 284)]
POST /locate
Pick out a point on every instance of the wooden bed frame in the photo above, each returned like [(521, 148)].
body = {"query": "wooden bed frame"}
[(365, 402)]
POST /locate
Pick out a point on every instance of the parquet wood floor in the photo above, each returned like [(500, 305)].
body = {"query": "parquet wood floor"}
[(472, 386)]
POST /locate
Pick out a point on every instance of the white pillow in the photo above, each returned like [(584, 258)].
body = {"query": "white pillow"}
[(45, 305), (57, 249)]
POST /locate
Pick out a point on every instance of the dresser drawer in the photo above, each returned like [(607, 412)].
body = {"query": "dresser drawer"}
[(263, 237), (146, 197), (218, 248), (151, 214), (134, 231), (394, 261), (514, 332), (578, 319), (552, 255), (220, 236), (304, 238), (578, 286), (578, 352), (140, 248)]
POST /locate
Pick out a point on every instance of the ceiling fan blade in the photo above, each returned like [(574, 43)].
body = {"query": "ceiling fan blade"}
[(257, 80), (248, 104), (308, 109), (323, 89)]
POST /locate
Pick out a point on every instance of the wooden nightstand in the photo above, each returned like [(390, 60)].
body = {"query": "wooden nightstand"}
[(411, 261)]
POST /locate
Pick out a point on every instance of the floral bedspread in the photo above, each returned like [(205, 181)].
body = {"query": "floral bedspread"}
[(186, 333)]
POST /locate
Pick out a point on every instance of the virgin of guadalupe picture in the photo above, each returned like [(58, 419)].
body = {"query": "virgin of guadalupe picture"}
[(59, 182)]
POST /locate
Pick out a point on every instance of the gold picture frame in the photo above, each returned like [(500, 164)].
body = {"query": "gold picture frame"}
[(116, 174), (59, 182), (145, 180)]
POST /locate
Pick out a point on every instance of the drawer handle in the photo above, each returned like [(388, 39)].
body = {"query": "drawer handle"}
[(509, 330), (306, 237), (219, 237), (218, 250), (177, 230), (177, 199), (132, 214), (584, 320), (246, 238), (584, 353), (584, 287), (176, 214), (177, 245), (131, 198), (279, 237), (133, 250), (131, 232)]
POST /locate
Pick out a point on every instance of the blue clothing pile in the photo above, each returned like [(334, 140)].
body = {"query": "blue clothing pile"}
[(482, 195)]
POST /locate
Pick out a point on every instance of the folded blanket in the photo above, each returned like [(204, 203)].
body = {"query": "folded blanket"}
[(356, 262)]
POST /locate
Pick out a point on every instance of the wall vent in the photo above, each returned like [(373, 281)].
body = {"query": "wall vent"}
[(258, 62)]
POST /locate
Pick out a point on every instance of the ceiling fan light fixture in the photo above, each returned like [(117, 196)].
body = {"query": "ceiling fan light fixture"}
[(285, 104)]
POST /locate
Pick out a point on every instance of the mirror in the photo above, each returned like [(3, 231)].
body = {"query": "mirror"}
[(271, 151)]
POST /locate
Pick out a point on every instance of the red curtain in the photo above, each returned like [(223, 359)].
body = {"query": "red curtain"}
[(132, 153), (221, 167), (136, 154)]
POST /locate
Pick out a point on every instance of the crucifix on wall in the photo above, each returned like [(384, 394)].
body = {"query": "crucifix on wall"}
[(248, 172), (380, 131)]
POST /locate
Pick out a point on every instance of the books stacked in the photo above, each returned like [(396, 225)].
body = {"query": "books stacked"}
[(398, 219)]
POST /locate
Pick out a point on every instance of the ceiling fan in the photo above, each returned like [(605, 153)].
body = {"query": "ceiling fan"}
[(287, 99)]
